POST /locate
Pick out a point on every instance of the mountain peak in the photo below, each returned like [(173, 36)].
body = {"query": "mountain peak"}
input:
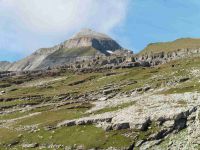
[(85, 32), (84, 45)]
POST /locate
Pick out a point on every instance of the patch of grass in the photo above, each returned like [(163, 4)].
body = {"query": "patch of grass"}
[(18, 102), (51, 117), (8, 136), (13, 115), (89, 136), (21, 114)]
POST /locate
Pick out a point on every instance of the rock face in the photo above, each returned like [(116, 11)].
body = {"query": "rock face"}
[(82, 46)]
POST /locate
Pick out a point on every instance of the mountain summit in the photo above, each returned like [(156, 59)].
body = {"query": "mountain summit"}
[(86, 44), (90, 38), (90, 33)]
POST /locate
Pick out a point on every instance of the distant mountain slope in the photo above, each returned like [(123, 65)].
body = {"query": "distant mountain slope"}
[(183, 43), (65, 55), (159, 53), (33, 61), (83, 45)]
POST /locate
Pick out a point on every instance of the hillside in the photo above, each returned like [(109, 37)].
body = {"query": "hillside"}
[(160, 53), (100, 96), (183, 43), (140, 108)]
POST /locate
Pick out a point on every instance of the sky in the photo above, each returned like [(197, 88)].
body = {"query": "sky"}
[(27, 25)]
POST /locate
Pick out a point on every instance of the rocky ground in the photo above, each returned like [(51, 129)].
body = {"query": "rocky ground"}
[(129, 108)]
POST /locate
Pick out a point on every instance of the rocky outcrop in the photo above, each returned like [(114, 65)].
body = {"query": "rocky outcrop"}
[(147, 109), (157, 58)]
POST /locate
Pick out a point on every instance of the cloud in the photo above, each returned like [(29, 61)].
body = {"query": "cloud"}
[(29, 24), (58, 16)]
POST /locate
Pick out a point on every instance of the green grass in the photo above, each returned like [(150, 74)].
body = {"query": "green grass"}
[(21, 114), (8, 136), (89, 136), (184, 43), (18, 102), (51, 117), (13, 115)]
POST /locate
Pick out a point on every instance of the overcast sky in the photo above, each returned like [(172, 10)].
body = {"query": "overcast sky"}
[(26, 25)]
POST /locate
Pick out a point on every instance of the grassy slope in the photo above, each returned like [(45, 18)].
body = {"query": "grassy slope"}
[(89, 136), (155, 77), (184, 43)]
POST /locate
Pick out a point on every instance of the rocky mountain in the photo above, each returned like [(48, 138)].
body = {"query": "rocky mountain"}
[(4, 65), (83, 45), (88, 45)]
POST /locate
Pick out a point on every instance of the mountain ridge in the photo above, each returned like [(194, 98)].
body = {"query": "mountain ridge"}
[(88, 44), (97, 44)]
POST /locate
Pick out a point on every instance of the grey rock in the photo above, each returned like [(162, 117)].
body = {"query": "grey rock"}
[(13, 143), (150, 144), (109, 91), (169, 124), (139, 143), (67, 123), (32, 145), (120, 126)]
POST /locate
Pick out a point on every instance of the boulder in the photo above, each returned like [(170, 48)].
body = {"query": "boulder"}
[(109, 91), (67, 123), (120, 126)]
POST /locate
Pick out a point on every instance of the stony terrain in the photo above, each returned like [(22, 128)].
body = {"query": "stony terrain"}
[(90, 93), (108, 108)]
